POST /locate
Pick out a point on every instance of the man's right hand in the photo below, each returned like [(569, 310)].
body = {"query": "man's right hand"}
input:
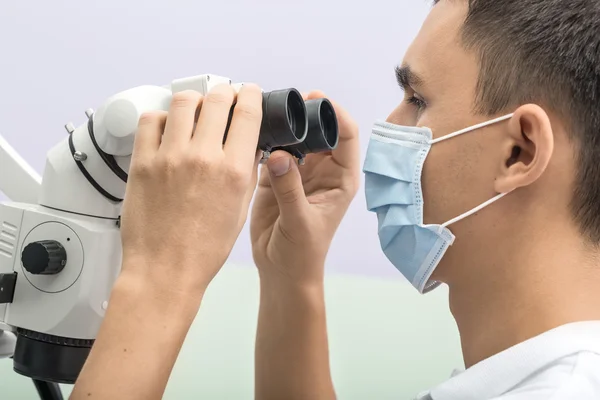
[(187, 199), (188, 194)]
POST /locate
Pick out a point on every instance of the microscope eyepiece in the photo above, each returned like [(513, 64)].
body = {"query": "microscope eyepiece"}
[(291, 124), (322, 126), (284, 120), (322, 134)]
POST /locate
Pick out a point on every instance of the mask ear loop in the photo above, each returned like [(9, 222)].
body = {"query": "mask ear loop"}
[(473, 211), (472, 128)]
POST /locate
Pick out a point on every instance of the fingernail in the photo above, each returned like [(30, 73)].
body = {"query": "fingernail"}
[(280, 167)]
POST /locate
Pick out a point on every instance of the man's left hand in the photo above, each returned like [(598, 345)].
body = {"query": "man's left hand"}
[(298, 209)]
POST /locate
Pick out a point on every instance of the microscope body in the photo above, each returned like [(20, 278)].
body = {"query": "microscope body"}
[(65, 266), (63, 254), (60, 254)]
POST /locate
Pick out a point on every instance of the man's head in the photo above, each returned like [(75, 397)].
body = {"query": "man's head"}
[(475, 60)]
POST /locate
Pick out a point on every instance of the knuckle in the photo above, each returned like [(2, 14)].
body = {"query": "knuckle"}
[(198, 162), (141, 169), (221, 94), (185, 99), (152, 117), (238, 177), (167, 164), (248, 111)]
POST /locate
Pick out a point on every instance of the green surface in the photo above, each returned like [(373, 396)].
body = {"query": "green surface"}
[(387, 342)]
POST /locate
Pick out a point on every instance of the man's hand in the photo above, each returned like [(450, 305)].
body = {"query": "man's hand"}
[(186, 202), (296, 213), (188, 194), (297, 210)]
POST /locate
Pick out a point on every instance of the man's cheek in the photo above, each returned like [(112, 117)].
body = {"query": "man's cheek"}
[(431, 189), (441, 190)]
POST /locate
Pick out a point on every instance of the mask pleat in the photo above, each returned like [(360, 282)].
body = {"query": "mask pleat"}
[(382, 190), (396, 216), (391, 160)]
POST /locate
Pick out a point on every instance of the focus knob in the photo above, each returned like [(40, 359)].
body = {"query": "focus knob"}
[(46, 257)]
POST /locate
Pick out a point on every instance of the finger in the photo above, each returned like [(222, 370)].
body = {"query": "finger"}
[(181, 120), (347, 152), (286, 183), (264, 179), (267, 197), (315, 94), (253, 181), (147, 140), (242, 137), (213, 118)]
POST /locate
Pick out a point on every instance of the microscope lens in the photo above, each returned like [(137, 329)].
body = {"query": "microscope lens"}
[(328, 120), (322, 132), (291, 118)]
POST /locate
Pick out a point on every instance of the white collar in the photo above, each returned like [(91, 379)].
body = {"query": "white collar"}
[(497, 374)]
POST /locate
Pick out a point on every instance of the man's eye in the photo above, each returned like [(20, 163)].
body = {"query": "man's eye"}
[(415, 101)]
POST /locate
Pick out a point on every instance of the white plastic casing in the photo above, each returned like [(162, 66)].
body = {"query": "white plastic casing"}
[(68, 304)]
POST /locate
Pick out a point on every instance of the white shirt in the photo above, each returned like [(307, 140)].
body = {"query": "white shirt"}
[(561, 364)]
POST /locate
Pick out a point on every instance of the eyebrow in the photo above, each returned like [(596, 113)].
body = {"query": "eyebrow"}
[(406, 77)]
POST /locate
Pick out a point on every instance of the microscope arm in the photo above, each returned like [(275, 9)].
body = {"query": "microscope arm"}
[(94, 159), (18, 180), (21, 183)]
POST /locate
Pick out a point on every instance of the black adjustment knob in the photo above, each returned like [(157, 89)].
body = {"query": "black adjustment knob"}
[(46, 257)]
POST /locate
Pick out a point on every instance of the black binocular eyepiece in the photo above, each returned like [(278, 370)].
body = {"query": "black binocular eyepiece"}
[(299, 127)]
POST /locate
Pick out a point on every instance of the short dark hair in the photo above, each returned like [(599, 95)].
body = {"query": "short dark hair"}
[(545, 52)]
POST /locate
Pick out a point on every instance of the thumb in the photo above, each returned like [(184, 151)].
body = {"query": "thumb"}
[(286, 183)]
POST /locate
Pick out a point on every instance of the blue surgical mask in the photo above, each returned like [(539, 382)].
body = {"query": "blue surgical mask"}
[(393, 168)]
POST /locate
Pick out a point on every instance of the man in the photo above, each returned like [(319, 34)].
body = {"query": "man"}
[(523, 268), (485, 178)]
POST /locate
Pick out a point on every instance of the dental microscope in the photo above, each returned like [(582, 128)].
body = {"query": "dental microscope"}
[(60, 244)]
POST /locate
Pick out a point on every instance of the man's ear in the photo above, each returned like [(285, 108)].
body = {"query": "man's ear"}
[(529, 148)]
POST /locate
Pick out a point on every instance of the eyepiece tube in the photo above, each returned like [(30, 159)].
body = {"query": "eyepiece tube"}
[(323, 130), (284, 120)]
